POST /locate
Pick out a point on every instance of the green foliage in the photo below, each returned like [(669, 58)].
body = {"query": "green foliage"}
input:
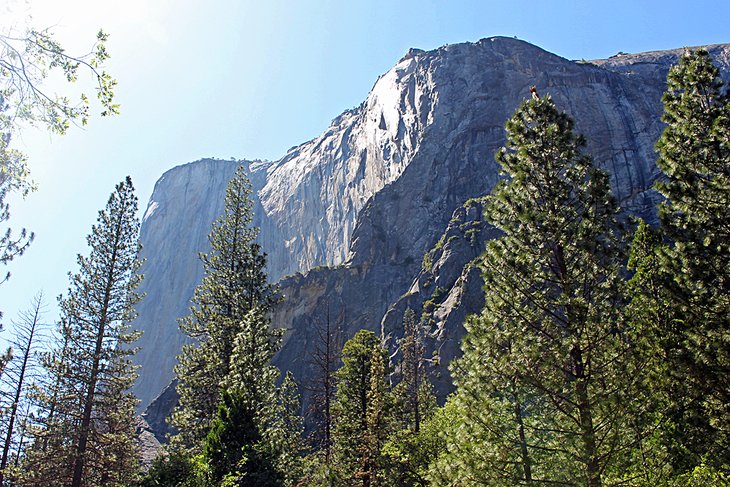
[(230, 408), (86, 418), (286, 431), (233, 449), (427, 263), (174, 470), (694, 154), (228, 311), (26, 60), (14, 176), (430, 305), (360, 409), (408, 449), (702, 475), (548, 371), (407, 456)]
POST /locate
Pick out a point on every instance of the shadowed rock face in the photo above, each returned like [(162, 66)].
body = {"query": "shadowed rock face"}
[(376, 191)]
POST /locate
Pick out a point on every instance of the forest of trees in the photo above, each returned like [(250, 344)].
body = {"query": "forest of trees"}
[(601, 356)]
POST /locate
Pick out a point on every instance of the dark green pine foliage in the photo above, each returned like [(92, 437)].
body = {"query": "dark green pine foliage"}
[(274, 412), (694, 155), (233, 447), (87, 415), (360, 410), (256, 443), (548, 372), (174, 469), (234, 286)]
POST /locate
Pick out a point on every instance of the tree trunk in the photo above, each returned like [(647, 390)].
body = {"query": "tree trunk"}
[(587, 433), (526, 464), (16, 399)]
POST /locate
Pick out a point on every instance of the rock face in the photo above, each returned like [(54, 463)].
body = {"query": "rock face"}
[(376, 191)]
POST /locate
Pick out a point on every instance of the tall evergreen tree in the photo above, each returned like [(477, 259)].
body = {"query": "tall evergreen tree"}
[(93, 430), (413, 395), (548, 370), (250, 371), (234, 286), (694, 154), (407, 453), (359, 409)]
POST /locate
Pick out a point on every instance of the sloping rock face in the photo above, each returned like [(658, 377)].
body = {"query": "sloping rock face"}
[(377, 190)]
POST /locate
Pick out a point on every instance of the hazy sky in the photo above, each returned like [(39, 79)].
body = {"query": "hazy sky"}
[(249, 79)]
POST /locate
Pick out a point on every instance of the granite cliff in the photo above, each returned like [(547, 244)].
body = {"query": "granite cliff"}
[(350, 215)]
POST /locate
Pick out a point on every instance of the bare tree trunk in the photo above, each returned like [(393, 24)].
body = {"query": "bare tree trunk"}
[(19, 386)]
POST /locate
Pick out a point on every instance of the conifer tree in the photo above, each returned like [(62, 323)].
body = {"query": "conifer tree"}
[(233, 291), (250, 371), (273, 411), (654, 329), (406, 452), (287, 430), (694, 154), (413, 395), (29, 331), (376, 422), (90, 440), (360, 409), (49, 451), (548, 370), (233, 447)]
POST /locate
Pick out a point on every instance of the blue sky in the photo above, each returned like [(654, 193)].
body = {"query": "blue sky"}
[(249, 79)]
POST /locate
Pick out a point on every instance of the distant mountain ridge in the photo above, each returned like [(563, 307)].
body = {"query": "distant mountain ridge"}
[(378, 189)]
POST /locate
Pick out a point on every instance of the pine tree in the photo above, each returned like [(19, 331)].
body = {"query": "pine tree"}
[(49, 453), (548, 370), (359, 409), (233, 287), (251, 373), (414, 394), (90, 441), (28, 331), (654, 330), (694, 154), (406, 453), (286, 431), (252, 380), (233, 447), (256, 436)]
